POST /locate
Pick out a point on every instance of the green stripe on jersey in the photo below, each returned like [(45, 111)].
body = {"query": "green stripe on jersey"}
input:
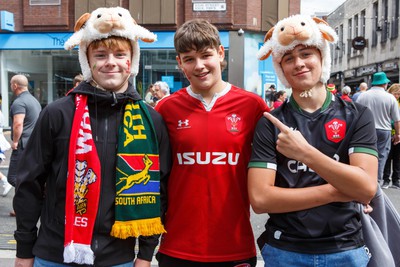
[(263, 165), (363, 150)]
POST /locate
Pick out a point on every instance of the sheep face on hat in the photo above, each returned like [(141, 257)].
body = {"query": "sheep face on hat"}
[(293, 31), (103, 23)]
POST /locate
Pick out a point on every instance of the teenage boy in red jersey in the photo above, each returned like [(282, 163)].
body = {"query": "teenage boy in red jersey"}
[(210, 124)]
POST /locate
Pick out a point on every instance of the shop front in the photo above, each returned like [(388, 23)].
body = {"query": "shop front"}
[(354, 77), (50, 69), (391, 68)]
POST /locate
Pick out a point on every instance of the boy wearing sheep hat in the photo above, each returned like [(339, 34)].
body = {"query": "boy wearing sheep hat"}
[(95, 160), (314, 159)]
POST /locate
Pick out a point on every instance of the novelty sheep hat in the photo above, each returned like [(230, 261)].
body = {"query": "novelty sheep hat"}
[(293, 31), (103, 23)]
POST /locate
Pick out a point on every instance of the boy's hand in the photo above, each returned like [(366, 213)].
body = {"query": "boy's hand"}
[(142, 263), (367, 208), (19, 262), (291, 142)]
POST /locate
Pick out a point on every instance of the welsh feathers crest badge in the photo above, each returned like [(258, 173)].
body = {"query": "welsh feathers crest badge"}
[(233, 123), (335, 130)]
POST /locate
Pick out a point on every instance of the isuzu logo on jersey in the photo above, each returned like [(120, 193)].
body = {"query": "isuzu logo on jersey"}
[(233, 123), (203, 158), (182, 124), (335, 130)]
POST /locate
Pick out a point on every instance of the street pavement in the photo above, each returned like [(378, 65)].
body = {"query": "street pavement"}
[(8, 225)]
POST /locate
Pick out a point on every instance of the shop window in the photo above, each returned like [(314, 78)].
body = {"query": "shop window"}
[(395, 20), (375, 28), (44, 2), (158, 64), (154, 12)]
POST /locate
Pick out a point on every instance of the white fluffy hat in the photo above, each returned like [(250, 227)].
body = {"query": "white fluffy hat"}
[(103, 23), (293, 31)]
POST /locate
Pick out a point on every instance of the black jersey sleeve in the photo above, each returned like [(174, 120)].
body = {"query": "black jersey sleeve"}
[(264, 145), (364, 135)]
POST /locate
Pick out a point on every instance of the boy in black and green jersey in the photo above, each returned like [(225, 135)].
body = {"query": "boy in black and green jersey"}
[(314, 158)]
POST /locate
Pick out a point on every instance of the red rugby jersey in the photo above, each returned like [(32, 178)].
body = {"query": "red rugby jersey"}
[(208, 217)]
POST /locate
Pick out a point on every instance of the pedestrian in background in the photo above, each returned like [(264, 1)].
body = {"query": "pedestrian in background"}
[(313, 158), (385, 109), (331, 88), (24, 112), (161, 90), (76, 81), (392, 166), (210, 124), (149, 97), (280, 98), (346, 90), (95, 161), (361, 89), (270, 96)]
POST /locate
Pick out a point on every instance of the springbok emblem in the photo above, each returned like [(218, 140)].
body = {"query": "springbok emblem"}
[(137, 178)]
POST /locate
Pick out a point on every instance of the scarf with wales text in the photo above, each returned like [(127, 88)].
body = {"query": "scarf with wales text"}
[(82, 189), (137, 200)]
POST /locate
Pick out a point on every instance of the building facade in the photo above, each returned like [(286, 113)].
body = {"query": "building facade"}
[(33, 34), (369, 41)]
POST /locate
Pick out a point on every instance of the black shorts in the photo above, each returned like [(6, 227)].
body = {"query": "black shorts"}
[(167, 261)]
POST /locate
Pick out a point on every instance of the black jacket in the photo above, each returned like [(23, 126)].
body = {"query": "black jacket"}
[(42, 174)]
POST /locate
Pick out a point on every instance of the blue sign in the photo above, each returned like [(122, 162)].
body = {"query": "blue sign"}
[(169, 80), (56, 40), (268, 74), (7, 20)]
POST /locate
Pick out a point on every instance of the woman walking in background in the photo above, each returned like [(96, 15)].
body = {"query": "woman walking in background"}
[(393, 161)]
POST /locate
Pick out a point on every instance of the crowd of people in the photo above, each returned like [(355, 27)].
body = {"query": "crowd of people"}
[(155, 92), (383, 100), (105, 170)]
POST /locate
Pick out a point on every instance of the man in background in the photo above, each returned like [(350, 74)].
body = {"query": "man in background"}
[(78, 79), (161, 90), (361, 89), (24, 112), (385, 109), (270, 95)]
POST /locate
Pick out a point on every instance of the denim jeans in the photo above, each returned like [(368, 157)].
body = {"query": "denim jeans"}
[(383, 145), (43, 263), (281, 258)]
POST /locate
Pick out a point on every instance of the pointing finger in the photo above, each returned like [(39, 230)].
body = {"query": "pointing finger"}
[(282, 127)]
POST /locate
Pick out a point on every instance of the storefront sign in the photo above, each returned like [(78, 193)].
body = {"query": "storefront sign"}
[(359, 43), (209, 6), (7, 20), (366, 70), (169, 80), (390, 65), (349, 73), (54, 40)]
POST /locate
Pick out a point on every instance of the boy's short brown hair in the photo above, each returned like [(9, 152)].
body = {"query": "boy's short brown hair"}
[(112, 42), (198, 35)]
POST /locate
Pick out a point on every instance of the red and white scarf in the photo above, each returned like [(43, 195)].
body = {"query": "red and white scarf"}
[(83, 188)]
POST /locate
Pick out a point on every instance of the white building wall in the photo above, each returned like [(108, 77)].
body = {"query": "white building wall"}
[(349, 66)]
